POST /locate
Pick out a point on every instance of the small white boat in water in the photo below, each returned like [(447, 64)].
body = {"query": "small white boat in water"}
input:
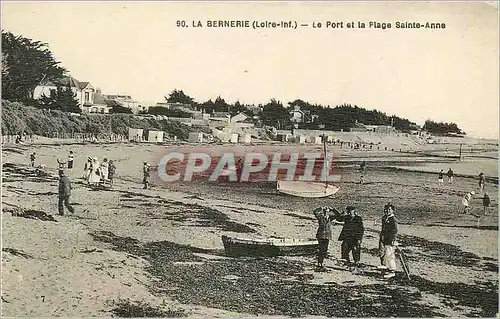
[(306, 189)]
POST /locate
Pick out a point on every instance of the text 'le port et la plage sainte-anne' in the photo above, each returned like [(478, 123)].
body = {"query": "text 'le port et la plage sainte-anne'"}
[(291, 24)]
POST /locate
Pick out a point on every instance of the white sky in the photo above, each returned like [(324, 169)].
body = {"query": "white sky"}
[(135, 48)]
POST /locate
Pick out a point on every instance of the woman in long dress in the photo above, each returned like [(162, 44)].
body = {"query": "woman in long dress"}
[(104, 170), (87, 170), (95, 177)]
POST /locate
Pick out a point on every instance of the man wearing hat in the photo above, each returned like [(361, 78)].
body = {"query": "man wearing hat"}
[(351, 235), (325, 216), (146, 170), (64, 193)]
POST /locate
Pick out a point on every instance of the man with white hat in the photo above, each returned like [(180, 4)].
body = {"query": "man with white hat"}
[(466, 201)]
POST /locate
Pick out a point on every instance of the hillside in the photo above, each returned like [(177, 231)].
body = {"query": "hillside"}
[(18, 118)]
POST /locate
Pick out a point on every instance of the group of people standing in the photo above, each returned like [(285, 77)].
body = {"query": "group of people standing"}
[(96, 173), (466, 199), (351, 236)]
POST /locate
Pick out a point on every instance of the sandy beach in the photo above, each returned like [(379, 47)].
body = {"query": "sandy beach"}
[(158, 252)]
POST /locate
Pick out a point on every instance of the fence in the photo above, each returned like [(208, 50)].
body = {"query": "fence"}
[(77, 137)]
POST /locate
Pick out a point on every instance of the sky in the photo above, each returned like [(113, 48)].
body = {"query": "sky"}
[(136, 48)]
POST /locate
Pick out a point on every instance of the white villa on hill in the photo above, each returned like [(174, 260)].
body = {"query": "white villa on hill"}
[(84, 90)]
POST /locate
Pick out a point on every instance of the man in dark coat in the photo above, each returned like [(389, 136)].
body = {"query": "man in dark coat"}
[(387, 242), (146, 170), (325, 216), (64, 193), (450, 175), (351, 235)]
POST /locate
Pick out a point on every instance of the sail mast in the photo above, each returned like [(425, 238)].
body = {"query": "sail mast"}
[(325, 164)]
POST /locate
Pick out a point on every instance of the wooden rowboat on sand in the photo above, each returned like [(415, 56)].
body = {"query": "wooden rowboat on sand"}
[(269, 247)]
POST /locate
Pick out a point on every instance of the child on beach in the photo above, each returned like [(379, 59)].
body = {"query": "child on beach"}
[(481, 182), (32, 159), (466, 201), (70, 160), (450, 175), (440, 178)]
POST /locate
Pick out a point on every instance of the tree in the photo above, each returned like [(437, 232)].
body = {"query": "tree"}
[(275, 114), (178, 96), (63, 99), (220, 105), (25, 63), (158, 110), (441, 128)]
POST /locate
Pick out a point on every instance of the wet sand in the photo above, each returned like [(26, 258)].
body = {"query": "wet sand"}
[(158, 252)]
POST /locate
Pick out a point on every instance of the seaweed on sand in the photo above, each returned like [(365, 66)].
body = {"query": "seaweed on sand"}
[(262, 286), (140, 309), (31, 214)]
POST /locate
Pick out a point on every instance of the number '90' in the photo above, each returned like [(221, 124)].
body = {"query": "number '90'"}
[(181, 23)]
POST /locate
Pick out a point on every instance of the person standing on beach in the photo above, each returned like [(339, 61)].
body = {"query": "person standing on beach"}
[(111, 172), (32, 159), (87, 169), (466, 201), (486, 202), (64, 193), (481, 181), (351, 236), (70, 160), (440, 178), (325, 216), (146, 170), (103, 170), (387, 241), (450, 175)]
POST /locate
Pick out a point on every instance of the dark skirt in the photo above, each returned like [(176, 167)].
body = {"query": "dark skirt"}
[(70, 164)]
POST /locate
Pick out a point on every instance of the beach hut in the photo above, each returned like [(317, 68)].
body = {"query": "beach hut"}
[(246, 138), (135, 134), (195, 137), (155, 136), (302, 139), (233, 138), (318, 140)]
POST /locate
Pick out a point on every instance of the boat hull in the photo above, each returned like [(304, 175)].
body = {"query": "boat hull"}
[(240, 247), (306, 189)]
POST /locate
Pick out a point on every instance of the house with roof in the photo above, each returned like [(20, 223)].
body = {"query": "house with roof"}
[(99, 106), (83, 90), (220, 116), (301, 116), (123, 100)]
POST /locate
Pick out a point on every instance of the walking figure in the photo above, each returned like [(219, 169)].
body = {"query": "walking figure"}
[(387, 242), (146, 170), (32, 159), (440, 178), (325, 216), (70, 160), (450, 175), (481, 182), (466, 201), (486, 202), (351, 236), (111, 172), (64, 193)]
